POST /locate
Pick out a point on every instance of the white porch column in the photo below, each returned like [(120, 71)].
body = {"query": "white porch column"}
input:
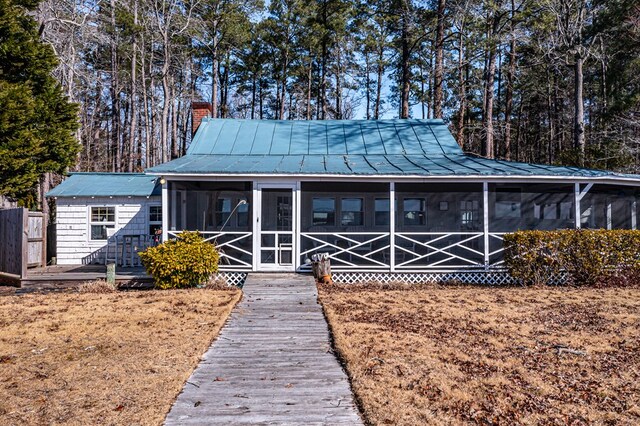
[(634, 212), (297, 212), (576, 199), (485, 213), (255, 198), (165, 210), (392, 226)]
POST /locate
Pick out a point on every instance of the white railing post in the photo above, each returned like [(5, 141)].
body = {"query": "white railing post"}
[(485, 213), (392, 226), (165, 211)]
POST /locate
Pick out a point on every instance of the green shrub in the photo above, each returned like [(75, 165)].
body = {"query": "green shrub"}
[(588, 257), (186, 261)]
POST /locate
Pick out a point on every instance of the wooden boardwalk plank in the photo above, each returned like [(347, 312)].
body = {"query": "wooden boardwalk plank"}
[(271, 364)]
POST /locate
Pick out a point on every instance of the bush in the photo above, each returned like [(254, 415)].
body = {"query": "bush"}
[(588, 257), (183, 262)]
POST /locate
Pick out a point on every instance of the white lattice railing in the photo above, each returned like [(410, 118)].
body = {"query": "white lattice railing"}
[(235, 248), (348, 250), (449, 250), (496, 258)]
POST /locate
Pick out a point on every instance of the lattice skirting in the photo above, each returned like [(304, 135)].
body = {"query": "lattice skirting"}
[(233, 278), (478, 278)]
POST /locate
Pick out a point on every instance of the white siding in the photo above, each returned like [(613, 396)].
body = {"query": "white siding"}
[(74, 246)]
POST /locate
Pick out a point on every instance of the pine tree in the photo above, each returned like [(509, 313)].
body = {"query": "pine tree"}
[(36, 120)]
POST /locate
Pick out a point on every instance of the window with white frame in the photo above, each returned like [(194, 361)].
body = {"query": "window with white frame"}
[(155, 219), (415, 211), (352, 211), (101, 219), (324, 211), (382, 214), (223, 210), (470, 215)]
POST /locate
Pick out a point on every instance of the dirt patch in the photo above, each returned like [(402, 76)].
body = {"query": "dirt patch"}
[(118, 358), (490, 355)]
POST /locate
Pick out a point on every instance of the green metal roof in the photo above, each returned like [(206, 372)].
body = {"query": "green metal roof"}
[(107, 185), (330, 137), (343, 147)]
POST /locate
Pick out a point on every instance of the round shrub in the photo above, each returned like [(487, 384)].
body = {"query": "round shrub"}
[(183, 262)]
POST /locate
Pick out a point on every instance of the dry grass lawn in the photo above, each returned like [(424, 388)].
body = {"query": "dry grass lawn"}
[(459, 355), (118, 358)]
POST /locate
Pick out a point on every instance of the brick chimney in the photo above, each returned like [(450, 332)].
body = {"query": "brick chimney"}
[(199, 110)]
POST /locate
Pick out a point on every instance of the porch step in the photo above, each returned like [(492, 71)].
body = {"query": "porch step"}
[(278, 275)]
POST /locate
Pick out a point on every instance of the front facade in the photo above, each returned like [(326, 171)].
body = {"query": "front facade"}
[(387, 196), (378, 196)]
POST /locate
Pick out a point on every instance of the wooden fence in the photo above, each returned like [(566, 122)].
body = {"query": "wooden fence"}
[(22, 242)]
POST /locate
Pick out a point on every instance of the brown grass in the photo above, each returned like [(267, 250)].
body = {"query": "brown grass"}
[(117, 358), (459, 355)]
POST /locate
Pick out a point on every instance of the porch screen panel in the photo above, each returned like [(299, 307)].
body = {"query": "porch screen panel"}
[(520, 206), (439, 226), (347, 221), (220, 211), (607, 207)]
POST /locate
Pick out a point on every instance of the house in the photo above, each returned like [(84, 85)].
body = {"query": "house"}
[(96, 211), (385, 196)]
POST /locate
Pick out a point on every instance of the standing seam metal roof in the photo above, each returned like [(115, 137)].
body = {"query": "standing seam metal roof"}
[(107, 185), (343, 147)]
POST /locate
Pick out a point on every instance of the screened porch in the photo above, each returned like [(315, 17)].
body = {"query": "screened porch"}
[(429, 226)]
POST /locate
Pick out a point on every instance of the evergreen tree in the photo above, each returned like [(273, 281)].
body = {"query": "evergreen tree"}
[(37, 122)]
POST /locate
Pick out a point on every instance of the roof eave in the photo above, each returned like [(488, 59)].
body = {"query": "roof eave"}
[(624, 180)]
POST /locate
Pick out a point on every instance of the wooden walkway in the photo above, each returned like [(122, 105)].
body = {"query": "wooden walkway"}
[(271, 364)]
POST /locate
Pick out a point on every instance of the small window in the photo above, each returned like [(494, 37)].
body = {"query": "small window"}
[(352, 212), (243, 213), (155, 219), (102, 218), (414, 212), (382, 216), (508, 203), (470, 215), (223, 210), (324, 212)]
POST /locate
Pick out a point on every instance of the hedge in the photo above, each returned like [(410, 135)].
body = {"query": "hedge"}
[(588, 257), (186, 261)]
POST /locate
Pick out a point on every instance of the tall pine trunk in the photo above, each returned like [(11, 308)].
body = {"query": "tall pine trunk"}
[(579, 137), (439, 67)]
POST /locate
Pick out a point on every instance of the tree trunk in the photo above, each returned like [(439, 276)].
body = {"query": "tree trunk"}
[(166, 99), (338, 86), (579, 138), (115, 95), (253, 96), (214, 72), (509, 95), (405, 67), (488, 148), (309, 77), (380, 72), (133, 98), (367, 84), (438, 71), (462, 89)]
